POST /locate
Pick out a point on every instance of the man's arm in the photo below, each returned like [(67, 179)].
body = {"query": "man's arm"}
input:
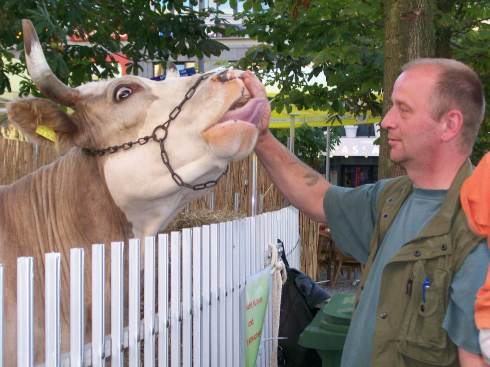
[(467, 359), (301, 185)]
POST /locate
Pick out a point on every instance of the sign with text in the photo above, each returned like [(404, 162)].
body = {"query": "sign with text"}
[(256, 298)]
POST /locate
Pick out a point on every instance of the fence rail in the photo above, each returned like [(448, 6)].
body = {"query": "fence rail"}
[(193, 281)]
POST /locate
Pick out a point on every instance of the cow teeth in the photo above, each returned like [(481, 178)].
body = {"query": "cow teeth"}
[(222, 77), (231, 74)]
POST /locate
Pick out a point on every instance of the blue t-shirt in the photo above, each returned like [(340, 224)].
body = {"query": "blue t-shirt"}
[(351, 215)]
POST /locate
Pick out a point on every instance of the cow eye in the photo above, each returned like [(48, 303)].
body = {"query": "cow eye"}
[(122, 92)]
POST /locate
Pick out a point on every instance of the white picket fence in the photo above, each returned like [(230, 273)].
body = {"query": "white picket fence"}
[(193, 311)]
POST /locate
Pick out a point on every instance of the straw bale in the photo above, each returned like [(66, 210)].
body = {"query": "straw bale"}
[(198, 218)]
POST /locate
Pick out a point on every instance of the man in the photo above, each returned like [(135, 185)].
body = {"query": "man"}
[(423, 264)]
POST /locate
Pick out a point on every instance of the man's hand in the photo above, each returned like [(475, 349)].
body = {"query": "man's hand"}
[(467, 359), (257, 90), (485, 344)]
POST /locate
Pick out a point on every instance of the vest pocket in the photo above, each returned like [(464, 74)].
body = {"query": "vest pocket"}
[(423, 338)]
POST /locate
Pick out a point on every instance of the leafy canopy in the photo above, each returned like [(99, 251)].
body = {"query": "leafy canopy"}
[(341, 42), (156, 31), (303, 45)]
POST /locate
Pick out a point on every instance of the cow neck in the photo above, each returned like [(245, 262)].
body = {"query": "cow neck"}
[(67, 204)]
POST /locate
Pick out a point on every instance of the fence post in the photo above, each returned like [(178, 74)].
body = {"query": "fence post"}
[(134, 303), (213, 294), (52, 309), (2, 331), (254, 186), (175, 287), (77, 322), (25, 312), (228, 301), (98, 306), (186, 297), (163, 244), (222, 341), (117, 303), (238, 225), (206, 295), (197, 306), (149, 302)]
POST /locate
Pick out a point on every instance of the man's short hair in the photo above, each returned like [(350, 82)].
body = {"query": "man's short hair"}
[(458, 86)]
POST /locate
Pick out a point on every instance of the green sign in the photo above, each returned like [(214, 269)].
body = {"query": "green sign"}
[(256, 298)]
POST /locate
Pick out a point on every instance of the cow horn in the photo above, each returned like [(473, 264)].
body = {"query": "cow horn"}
[(41, 73)]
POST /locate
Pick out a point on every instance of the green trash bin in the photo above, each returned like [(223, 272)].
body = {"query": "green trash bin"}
[(327, 331)]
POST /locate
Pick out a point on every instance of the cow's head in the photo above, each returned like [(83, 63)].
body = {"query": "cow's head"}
[(216, 125)]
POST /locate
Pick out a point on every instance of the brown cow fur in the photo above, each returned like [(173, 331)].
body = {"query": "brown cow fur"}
[(53, 205)]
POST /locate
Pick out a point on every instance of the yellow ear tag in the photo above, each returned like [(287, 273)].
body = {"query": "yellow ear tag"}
[(46, 132)]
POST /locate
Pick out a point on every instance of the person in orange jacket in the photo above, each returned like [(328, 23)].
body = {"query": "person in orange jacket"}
[(475, 199)]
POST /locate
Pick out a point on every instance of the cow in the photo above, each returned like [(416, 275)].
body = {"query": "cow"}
[(135, 152)]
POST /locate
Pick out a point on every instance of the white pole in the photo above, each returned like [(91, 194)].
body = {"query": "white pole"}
[(328, 135), (254, 186), (236, 202), (292, 131)]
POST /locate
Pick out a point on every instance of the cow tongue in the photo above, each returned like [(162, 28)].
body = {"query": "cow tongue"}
[(250, 112)]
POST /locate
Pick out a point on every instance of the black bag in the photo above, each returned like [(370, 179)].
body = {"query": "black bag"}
[(300, 295)]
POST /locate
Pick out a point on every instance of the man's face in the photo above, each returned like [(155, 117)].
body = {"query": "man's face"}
[(413, 134)]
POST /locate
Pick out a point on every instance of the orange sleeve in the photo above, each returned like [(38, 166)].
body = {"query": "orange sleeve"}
[(475, 198), (482, 305)]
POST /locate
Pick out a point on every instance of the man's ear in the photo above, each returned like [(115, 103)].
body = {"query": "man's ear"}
[(42, 121), (453, 124)]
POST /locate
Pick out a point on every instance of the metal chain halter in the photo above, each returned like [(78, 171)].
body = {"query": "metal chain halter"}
[(159, 135)]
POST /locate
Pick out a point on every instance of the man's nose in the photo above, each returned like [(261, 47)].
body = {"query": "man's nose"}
[(387, 121)]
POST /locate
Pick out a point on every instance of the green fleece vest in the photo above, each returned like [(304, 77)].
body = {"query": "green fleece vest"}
[(409, 328)]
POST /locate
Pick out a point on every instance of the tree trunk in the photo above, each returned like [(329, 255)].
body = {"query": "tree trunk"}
[(444, 33), (408, 30), (420, 18)]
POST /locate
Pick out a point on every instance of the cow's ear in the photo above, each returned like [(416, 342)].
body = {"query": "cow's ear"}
[(42, 121)]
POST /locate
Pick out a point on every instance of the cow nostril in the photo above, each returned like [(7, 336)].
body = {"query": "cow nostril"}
[(223, 76)]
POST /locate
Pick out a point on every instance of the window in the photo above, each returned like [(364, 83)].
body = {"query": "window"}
[(353, 176), (160, 69), (365, 130), (226, 7)]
